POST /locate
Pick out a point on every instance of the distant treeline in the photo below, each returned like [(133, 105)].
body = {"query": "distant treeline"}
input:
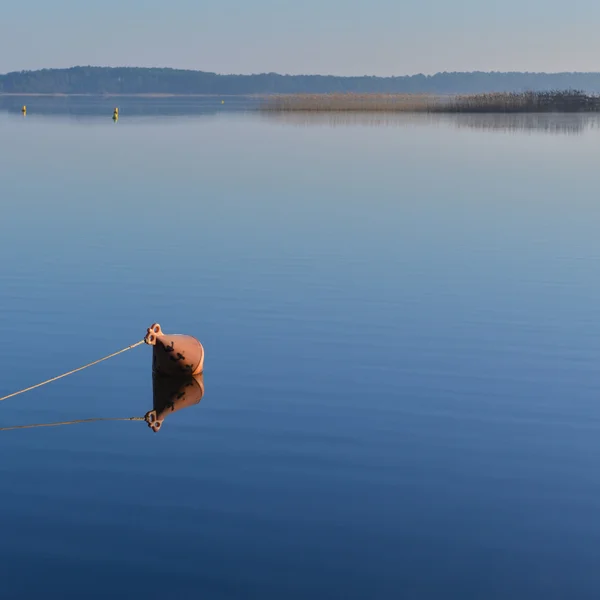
[(130, 80)]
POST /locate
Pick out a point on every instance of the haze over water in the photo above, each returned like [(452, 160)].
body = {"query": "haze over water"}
[(402, 339)]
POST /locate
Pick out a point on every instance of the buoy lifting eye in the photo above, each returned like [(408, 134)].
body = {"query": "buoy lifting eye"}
[(154, 331)]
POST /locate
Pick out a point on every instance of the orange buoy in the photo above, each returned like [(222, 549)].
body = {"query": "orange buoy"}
[(174, 354), (171, 394)]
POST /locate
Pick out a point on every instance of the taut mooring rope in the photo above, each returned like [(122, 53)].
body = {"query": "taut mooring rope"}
[(71, 422), (71, 372)]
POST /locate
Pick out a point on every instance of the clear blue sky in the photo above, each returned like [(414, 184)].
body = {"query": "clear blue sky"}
[(346, 37)]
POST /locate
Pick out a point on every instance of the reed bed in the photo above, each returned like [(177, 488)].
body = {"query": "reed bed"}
[(566, 101), (532, 102), (350, 102)]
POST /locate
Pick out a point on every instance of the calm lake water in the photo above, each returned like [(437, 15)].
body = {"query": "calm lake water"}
[(401, 319)]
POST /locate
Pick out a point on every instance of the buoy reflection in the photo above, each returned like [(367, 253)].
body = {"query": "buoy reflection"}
[(169, 395)]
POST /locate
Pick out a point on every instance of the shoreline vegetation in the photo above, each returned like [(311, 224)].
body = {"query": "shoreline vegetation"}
[(179, 82), (558, 101), (109, 95)]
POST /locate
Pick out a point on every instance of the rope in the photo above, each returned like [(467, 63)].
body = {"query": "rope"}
[(33, 387), (71, 423)]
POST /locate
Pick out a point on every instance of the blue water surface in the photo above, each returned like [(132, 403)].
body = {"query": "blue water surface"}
[(402, 334)]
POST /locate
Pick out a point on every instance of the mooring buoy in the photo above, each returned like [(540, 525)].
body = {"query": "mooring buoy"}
[(174, 354)]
